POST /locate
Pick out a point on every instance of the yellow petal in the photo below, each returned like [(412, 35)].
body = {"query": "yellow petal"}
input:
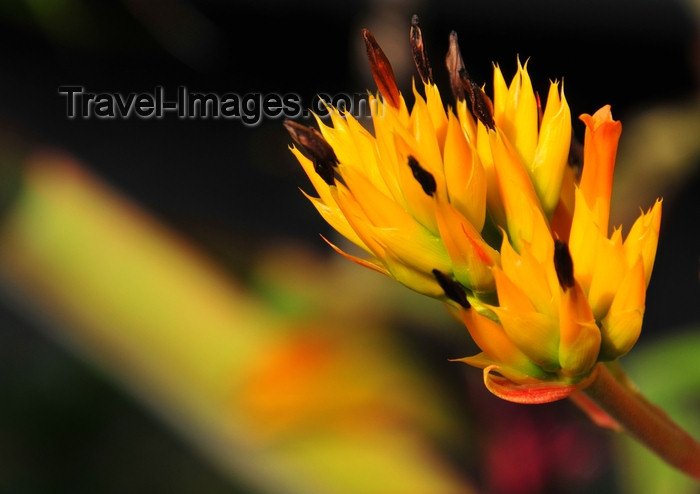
[(464, 175), (466, 121), (519, 121), (584, 239), (380, 209), (515, 188), (494, 342), (580, 337), (623, 322), (471, 256), (643, 238), (500, 96), (336, 219), (424, 140), (416, 248), (408, 253), (552, 154), (534, 333), (395, 143), (319, 184), (365, 155), (437, 112), (494, 202), (416, 279), (538, 278), (358, 221), (608, 271)]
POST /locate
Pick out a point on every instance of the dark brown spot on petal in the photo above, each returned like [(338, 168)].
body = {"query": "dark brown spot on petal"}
[(381, 70), (423, 176), (453, 290), (563, 264), (314, 146), (455, 64), (418, 51)]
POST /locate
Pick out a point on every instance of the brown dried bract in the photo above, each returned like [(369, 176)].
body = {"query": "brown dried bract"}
[(381, 70), (481, 105), (463, 85), (455, 65), (418, 52), (314, 146)]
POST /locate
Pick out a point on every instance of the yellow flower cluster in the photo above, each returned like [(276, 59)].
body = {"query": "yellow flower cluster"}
[(478, 206)]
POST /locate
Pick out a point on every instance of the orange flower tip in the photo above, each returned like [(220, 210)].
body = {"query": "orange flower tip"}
[(481, 105), (453, 290), (455, 65), (381, 70), (418, 52), (314, 147), (563, 264), (423, 176)]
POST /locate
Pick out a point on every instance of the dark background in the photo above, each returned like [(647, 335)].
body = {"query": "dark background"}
[(629, 54), (233, 188)]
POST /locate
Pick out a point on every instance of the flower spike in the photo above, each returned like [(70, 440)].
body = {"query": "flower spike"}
[(477, 206)]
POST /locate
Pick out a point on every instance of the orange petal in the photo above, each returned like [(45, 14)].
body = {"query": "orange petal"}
[(599, 151), (531, 393)]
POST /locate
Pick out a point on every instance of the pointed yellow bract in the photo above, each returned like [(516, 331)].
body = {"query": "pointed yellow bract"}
[(475, 205), (549, 163), (519, 118)]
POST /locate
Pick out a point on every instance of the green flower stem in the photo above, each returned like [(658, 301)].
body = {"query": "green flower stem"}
[(646, 423)]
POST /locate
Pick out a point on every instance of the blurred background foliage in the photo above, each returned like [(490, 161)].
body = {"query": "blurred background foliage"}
[(170, 320)]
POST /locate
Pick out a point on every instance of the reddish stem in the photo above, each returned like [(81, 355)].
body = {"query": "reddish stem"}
[(653, 429)]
